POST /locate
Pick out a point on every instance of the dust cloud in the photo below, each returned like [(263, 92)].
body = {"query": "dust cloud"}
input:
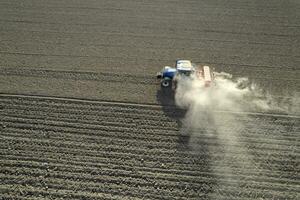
[(226, 104), (212, 110), (219, 114), (230, 94)]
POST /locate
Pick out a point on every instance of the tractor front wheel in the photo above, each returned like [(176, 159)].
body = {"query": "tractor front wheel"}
[(166, 83)]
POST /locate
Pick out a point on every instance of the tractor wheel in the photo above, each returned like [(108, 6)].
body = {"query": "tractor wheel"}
[(166, 83)]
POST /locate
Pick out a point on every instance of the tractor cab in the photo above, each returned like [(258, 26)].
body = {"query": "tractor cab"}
[(184, 67)]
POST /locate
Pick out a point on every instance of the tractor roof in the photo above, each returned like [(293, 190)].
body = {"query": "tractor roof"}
[(184, 65)]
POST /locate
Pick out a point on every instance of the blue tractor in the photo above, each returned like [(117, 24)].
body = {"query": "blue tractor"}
[(168, 75)]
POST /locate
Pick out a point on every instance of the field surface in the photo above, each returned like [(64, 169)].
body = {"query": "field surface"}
[(57, 148), (83, 117)]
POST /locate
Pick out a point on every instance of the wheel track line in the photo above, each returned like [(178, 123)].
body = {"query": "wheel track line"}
[(114, 123), (154, 27), (219, 50), (96, 143), (276, 157), (136, 104), (182, 164), (120, 121), (105, 120), (116, 160), (16, 196), (133, 154), (165, 151), (68, 135), (94, 135), (148, 46), (110, 151), (22, 124), (75, 136), (286, 137), (171, 122), (141, 124), (148, 175), (77, 75), (93, 113), (154, 144), (116, 170), (114, 163), (91, 131), (130, 113), (24, 159), (88, 179), (41, 124), (92, 187), (52, 10), (90, 172), (188, 192), (132, 58), (69, 105), (165, 146), (192, 191), (45, 101), (285, 166), (88, 109), (146, 36), (103, 113), (152, 135), (57, 192), (63, 124), (110, 146)]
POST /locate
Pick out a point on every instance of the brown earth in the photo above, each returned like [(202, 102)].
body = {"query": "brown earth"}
[(82, 116), (57, 148)]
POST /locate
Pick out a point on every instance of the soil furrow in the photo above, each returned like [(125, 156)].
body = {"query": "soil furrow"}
[(55, 192), (99, 187), (159, 150), (41, 124), (89, 108), (184, 192), (96, 120), (48, 125), (165, 147), (164, 170), (247, 142), (259, 183), (172, 159)]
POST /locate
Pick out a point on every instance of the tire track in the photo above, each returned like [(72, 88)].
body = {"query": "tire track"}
[(160, 150), (79, 75), (116, 149), (89, 180), (130, 154), (22, 156), (168, 108), (150, 143)]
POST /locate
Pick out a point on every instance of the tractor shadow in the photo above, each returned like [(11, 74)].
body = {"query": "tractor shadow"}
[(166, 98), (191, 144)]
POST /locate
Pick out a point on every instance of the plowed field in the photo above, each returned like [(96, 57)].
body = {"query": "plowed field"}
[(83, 117), (64, 148)]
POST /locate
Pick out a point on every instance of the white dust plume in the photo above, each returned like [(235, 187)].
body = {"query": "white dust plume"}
[(218, 116), (228, 94)]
